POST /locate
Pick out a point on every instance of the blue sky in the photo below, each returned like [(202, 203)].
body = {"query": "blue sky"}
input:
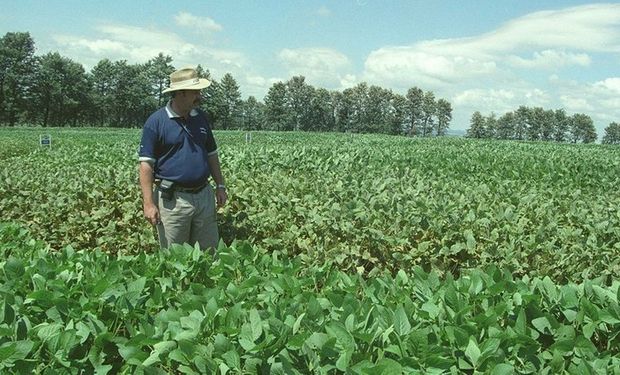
[(484, 55)]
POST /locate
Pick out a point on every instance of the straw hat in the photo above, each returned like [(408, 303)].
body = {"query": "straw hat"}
[(186, 79)]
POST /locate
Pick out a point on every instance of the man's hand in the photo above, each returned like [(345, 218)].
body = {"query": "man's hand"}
[(151, 213), (221, 196)]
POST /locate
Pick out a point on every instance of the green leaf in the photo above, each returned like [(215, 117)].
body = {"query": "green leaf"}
[(563, 346), (343, 360), (472, 352), (541, 323), (102, 369), (503, 369), (402, 278), (255, 321), (317, 340), (570, 315), (246, 250), (9, 313), (432, 309), (298, 323), (470, 240), (133, 354), (585, 346), (221, 343), (588, 329), (14, 268), (48, 332), (477, 284), (178, 356), (137, 285), (343, 337), (385, 366), (14, 350), (232, 359), (520, 324), (402, 327)]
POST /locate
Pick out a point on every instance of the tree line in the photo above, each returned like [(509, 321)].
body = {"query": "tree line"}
[(53, 90), (534, 124), (539, 124)]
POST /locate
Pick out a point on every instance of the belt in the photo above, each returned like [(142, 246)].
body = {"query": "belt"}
[(186, 189), (191, 190)]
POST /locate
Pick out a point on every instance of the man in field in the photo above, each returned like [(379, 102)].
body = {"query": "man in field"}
[(178, 156)]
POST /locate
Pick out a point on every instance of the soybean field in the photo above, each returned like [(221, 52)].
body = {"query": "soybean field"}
[(340, 253)]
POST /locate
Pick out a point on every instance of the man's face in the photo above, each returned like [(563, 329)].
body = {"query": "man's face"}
[(190, 98)]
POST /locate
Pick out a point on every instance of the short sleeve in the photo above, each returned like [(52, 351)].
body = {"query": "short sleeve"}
[(148, 141), (210, 145)]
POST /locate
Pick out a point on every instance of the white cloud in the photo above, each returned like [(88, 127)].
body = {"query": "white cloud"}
[(256, 85), (500, 70), (501, 100), (201, 24), (413, 65), (347, 81), (611, 84), (321, 66), (550, 59), (598, 97), (576, 103), (553, 38), (138, 45), (592, 27)]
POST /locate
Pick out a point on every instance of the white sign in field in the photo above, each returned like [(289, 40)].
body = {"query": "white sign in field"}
[(45, 140)]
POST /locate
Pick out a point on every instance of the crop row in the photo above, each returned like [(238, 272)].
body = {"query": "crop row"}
[(247, 311), (363, 201)]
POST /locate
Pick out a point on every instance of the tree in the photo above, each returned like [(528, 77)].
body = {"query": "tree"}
[(612, 134), (341, 111), (277, 115), (505, 126), (132, 100), (582, 129), (521, 122), (158, 70), (562, 125), (548, 125), (477, 124), (103, 82), (212, 102), (229, 114), (376, 110), (490, 126), (17, 62), (322, 111), (444, 116), (299, 96), (535, 122), (415, 97), (252, 114), (429, 110), (398, 116), (356, 102), (61, 89)]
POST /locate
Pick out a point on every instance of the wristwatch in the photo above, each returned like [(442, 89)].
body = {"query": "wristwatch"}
[(221, 186)]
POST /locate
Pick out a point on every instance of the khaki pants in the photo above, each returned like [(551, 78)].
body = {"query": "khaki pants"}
[(188, 218)]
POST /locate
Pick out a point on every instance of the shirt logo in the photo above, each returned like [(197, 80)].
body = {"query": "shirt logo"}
[(203, 131)]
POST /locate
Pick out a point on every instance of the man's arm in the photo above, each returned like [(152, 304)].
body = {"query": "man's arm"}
[(151, 213), (216, 172)]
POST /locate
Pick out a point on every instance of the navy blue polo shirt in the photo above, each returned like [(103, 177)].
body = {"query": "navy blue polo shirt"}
[(178, 149)]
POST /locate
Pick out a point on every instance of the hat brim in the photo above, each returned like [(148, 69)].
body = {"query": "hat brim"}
[(203, 83)]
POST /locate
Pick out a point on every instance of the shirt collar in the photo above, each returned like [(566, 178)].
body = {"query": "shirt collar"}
[(172, 114)]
